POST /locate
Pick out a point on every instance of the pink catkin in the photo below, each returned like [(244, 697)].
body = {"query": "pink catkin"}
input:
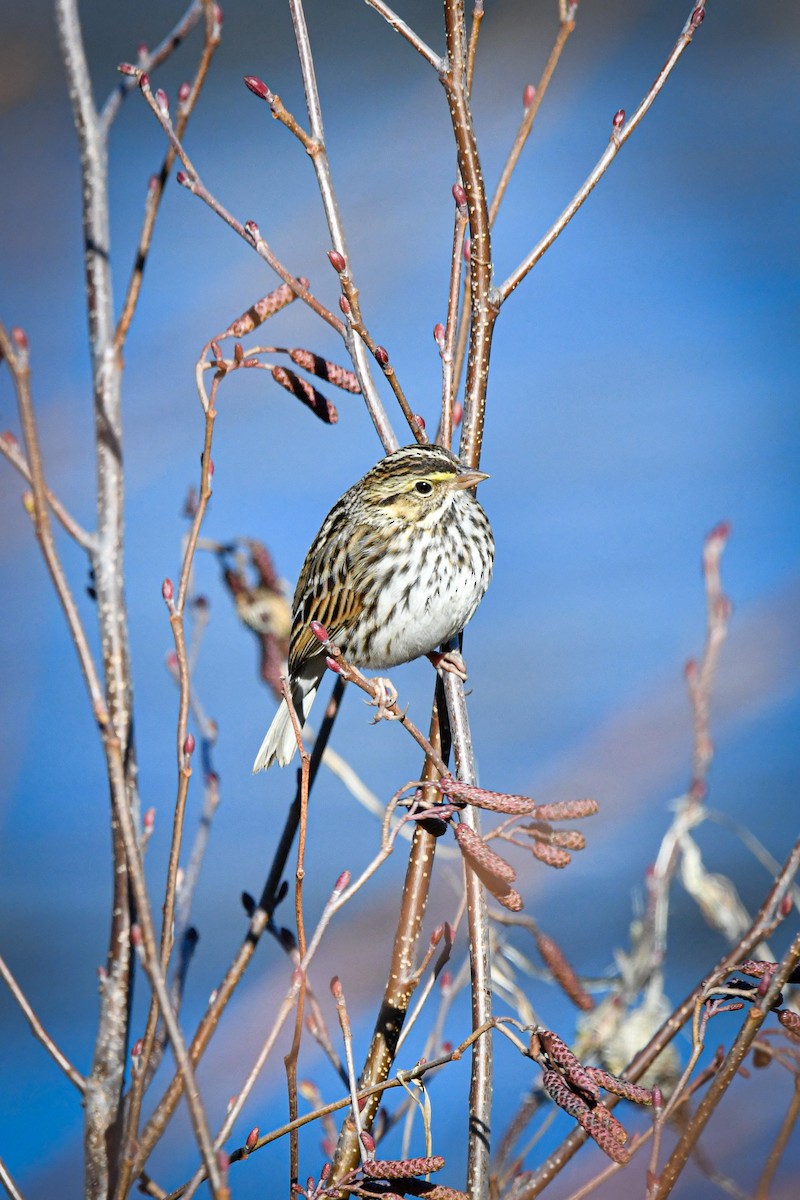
[(266, 307)]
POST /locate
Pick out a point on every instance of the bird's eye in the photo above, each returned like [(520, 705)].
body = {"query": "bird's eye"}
[(423, 487)]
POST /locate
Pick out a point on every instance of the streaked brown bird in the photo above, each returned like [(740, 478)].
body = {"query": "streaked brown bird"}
[(398, 568)]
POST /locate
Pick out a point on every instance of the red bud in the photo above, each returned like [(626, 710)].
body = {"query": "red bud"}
[(319, 631), (19, 337), (184, 92), (252, 230), (344, 305), (697, 17), (528, 96), (257, 87), (252, 1138), (167, 590), (337, 261), (182, 178), (619, 118), (459, 195), (127, 69), (438, 335), (188, 745), (382, 355), (162, 100)]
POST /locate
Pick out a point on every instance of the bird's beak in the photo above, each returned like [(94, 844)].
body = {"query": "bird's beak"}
[(468, 479)]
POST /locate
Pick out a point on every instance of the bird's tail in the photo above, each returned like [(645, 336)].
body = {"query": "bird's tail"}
[(280, 742)]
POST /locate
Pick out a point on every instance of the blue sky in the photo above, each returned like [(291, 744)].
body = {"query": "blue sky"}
[(644, 386)]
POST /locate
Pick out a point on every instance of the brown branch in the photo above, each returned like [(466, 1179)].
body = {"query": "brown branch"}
[(621, 131), (480, 956), (351, 307), (483, 311), (405, 30), (400, 1080), (474, 33), (15, 354), (154, 58), (446, 341), (281, 113), (260, 917), (778, 1148), (9, 447), (390, 711), (8, 1183), (727, 1073), (565, 28), (402, 979), (290, 1060), (759, 928), (482, 317), (38, 1030), (158, 182), (330, 204), (249, 232)]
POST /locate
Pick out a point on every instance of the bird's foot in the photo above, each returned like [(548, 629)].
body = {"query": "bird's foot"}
[(451, 662), (384, 699)]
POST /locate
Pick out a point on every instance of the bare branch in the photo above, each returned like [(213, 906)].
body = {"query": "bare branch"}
[(621, 131), (38, 1029)]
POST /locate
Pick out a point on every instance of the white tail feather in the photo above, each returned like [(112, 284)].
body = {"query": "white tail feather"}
[(280, 743)]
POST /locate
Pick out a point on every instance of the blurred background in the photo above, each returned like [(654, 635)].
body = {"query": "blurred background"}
[(643, 387)]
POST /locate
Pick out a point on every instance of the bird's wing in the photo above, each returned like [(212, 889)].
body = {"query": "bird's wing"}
[(336, 609), (327, 590)]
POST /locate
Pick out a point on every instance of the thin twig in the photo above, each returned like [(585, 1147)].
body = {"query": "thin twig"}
[(480, 1095), (238, 1102), (259, 920), (351, 306), (176, 617), (8, 1183), (400, 983), (778, 1147), (763, 921), (150, 959), (405, 30), (483, 311), (158, 182), (9, 447), (756, 1015), (248, 231), (620, 134), (526, 125), (17, 360), (290, 1060), (447, 344), (153, 59), (38, 1029), (330, 204)]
